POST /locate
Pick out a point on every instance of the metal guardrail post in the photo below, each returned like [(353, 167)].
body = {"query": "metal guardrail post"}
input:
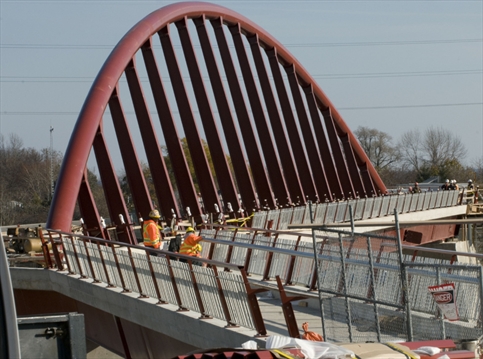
[(135, 272), (76, 255), (288, 313), (90, 263), (291, 266), (344, 288), (373, 287), (57, 258), (230, 248), (56, 252), (106, 272), (118, 266), (45, 248), (254, 306), (175, 287), (404, 280), (316, 264), (249, 251), (197, 292), (441, 316), (268, 264), (212, 246), (351, 217), (153, 277), (224, 305)]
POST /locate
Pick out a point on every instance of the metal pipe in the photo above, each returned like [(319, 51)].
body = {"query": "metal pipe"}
[(351, 215), (314, 242), (344, 288), (387, 224), (404, 280), (7, 310), (374, 293), (480, 273), (441, 322)]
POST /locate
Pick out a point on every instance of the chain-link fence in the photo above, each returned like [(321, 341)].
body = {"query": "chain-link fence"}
[(371, 291)]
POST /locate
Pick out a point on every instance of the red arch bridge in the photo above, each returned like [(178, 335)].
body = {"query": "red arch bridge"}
[(228, 112), (240, 119)]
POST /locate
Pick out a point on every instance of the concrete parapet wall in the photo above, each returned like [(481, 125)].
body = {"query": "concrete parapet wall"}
[(185, 327)]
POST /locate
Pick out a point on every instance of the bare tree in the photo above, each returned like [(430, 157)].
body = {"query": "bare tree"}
[(477, 167), (25, 182), (441, 145), (378, 147), (410, 147), (436, 152)]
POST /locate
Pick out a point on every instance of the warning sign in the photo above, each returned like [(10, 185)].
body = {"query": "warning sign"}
[(444, 296)]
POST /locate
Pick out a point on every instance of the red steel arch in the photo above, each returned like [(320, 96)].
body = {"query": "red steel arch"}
[(246, 97)]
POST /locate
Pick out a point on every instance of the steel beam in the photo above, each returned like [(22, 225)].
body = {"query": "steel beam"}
[(134, 173), (112, 190), (245, 182), (164, 189), (88, 209), (218, 157), (195, 145), (277, 182)]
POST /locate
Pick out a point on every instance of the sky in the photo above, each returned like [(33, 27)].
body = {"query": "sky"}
[(391, 65)]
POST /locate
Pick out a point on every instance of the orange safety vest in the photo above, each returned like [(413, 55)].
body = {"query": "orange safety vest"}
[(151, 234), (190, 245)]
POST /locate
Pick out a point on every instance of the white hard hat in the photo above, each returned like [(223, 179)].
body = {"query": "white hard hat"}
[(470, 180), (447, 180), (154, 214)]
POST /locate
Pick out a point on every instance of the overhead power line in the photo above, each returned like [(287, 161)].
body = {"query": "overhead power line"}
[(411, 106), (61, 79), (73, 113), (316, 44)]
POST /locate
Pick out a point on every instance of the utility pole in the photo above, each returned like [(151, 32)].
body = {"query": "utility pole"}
[(51, 163)]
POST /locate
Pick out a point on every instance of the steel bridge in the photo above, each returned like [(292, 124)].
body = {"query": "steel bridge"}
[(362, 287), (214, 115), (227, 110)]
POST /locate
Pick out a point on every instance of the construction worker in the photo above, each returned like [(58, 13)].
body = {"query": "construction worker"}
[(470, 192), (416, 188), (191, 246), (454, 185), (446, 186), (175, 244), (151, 233), (471, 186)]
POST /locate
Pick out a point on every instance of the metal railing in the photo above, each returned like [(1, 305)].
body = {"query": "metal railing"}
[(364, 208), (219, 290), (368, 289)]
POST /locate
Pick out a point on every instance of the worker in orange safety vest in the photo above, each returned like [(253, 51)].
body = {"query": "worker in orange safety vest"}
[(191, 246), (151, 234)]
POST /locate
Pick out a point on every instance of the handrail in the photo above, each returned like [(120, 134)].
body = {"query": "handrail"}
[(325, 229), (138, 271), (228, 246), (373, 207)]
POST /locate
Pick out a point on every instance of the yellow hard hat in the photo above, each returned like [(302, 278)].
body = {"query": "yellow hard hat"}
[(154, 214), (189, 229)]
